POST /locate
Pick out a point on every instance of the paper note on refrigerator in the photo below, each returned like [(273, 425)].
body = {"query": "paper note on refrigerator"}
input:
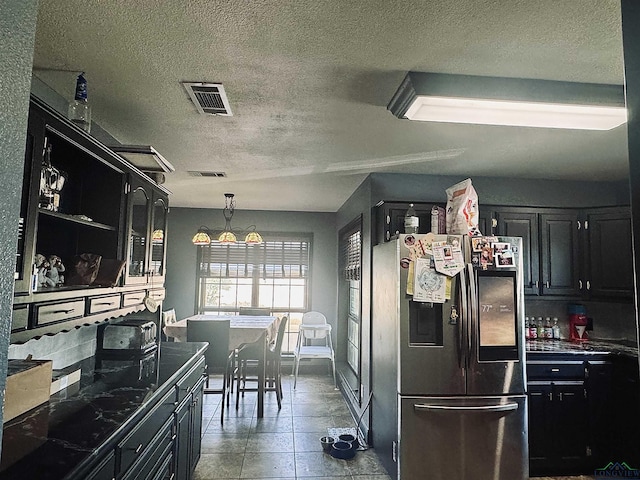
[(429, 285), (448, 258)]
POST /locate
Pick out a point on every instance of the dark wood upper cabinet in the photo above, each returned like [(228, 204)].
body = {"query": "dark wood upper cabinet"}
[(523, 223), (79, 197), (610, 259), (560, 253)]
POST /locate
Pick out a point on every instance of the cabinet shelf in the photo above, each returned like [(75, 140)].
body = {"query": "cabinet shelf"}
[(76, 220)]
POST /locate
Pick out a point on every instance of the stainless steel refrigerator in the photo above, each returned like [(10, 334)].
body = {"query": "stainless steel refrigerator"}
[(448, 378)]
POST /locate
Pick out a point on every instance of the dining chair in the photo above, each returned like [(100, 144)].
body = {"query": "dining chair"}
[(248, 355), (218, 356), (313, 329), (168, 317), (255, 311)]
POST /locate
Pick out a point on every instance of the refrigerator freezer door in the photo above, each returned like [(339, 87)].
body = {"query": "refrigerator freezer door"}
[(463, 438), (420, 367)]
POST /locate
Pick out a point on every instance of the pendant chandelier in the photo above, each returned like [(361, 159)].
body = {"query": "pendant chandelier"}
[(227, 236)]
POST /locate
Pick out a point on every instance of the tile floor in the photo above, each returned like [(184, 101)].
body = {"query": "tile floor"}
[(284, 445)]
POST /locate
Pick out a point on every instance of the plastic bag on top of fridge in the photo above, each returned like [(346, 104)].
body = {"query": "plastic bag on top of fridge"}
[(462, 209)]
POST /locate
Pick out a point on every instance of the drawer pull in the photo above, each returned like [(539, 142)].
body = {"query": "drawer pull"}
[(138, 449), (105, 303), (173, 438), (63, 311), (555, 369)]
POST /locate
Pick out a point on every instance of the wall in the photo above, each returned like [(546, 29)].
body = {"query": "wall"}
[(181, 253), (631, 47), (17, 30), (501, 191)]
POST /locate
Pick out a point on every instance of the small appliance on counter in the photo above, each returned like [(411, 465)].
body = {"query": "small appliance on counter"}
[(578, 323), (130, 338), (138, 371)]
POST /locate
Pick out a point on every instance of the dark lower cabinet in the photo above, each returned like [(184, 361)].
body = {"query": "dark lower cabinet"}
[(575, 424), (626, 413), (165, 442), (106, 469), (188, 432), (558, 428)]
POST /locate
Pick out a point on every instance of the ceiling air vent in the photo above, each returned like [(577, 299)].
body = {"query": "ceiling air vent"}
[(209, 98), (208, 174)]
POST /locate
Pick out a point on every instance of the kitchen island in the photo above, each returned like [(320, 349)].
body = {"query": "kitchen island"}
[(583, 405), (128, 418)]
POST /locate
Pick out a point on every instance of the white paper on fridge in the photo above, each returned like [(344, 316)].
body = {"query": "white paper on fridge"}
[(448, 258), (429, 285)]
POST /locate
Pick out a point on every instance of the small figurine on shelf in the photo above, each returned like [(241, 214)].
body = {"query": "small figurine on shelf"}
[(43, 265), (40, 263), (56, 268)]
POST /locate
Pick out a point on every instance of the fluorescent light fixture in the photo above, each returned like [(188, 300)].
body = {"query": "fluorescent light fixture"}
[(435, 97)]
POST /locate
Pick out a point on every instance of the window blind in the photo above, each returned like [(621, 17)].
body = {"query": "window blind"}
[(350, 255), (276, 257)]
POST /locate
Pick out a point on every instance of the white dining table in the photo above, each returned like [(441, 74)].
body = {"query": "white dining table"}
[(242, 329)]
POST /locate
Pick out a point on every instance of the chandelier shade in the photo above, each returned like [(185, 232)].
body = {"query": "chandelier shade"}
[(226, 236)]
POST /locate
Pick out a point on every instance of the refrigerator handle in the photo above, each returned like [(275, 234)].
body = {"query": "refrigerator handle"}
[(462, 320), (507, 407), (472, 312)]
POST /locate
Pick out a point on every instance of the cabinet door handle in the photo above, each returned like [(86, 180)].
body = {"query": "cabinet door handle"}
[(560, 396), (548, 285), (537, 284), (550, 397), (555, 369), (588, 285), (580, 284)]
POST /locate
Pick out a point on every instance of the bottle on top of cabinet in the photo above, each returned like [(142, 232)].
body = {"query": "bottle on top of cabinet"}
[(411, 220), (527, 333)]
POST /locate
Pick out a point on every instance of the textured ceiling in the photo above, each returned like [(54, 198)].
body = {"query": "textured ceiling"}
[(309, 81)]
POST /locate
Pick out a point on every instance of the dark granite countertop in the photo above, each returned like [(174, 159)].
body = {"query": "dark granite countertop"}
[(590, 347), (54, 440)]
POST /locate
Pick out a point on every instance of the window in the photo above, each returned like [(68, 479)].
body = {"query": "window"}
[(349, 297), (273, 275)]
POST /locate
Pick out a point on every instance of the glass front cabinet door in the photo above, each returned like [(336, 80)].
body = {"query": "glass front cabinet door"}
[(139, 226), (158, 236), (147, 239)]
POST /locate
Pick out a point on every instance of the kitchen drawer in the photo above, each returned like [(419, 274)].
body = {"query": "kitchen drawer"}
[(134, 445), (58, 312), (20, 318), (157, 294), (555, 370), (103, 304), (159, 448), (106, 469), (133, 298), (186, 384)]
